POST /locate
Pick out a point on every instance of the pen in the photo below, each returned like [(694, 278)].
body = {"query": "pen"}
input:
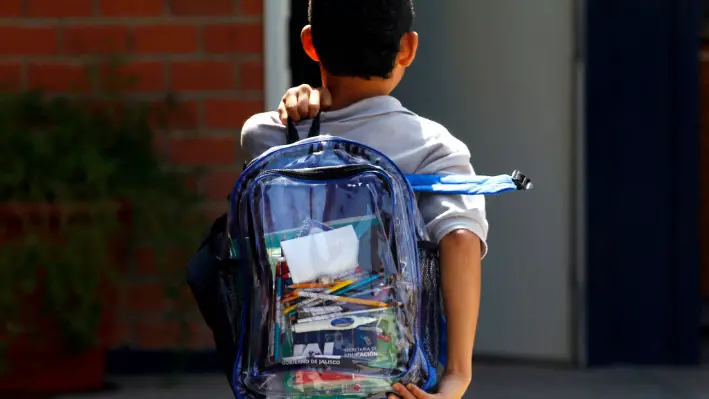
[(336, 315), (347, 323)]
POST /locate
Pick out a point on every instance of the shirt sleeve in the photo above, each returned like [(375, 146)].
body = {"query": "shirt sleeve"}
[(445, 213), (260, 133)]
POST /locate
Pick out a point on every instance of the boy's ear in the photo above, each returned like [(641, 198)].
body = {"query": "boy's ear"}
[(408, 47), (306, 37)]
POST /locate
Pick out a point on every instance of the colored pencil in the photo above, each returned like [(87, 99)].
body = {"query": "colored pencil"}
[(327, 297), (357, 285)]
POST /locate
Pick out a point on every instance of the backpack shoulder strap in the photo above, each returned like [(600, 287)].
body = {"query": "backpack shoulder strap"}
[(292, 135), (469, 185)]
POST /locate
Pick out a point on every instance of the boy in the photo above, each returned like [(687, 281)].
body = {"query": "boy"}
[(363, 48)]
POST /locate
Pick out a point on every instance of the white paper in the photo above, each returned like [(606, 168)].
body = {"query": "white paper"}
[(321, 254)]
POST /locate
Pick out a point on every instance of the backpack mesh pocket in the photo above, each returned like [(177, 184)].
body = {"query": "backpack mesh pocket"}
[(429, 264)]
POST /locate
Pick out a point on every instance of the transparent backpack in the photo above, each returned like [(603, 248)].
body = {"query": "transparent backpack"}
[(336, 287)]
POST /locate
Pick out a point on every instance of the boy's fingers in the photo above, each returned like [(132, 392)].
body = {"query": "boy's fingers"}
[(290, 101), (418, 392), (403, 392), (392, 396), (303, 102), (282, 113), (314, 104), (325, 98), (304, 93)]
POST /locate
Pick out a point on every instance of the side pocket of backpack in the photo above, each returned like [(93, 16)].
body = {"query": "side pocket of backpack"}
[(431, 311), (215, 282)]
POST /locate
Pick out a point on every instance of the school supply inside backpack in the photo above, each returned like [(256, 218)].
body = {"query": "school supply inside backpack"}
[(332, 284)]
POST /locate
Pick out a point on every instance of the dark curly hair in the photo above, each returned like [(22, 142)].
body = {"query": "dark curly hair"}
[(359, 38)]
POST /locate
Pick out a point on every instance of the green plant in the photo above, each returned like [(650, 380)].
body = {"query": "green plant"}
[(68, 168)]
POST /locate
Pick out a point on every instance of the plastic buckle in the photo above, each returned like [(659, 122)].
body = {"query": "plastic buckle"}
[(521, 181)]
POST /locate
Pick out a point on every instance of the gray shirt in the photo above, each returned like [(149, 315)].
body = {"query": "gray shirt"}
[(415, 144)]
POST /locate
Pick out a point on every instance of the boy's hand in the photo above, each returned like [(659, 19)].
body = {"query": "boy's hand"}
[(452, 387), (303, 102)]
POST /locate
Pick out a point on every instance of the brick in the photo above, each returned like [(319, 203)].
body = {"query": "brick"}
[(161, 142), (183, 115), (148, 76), (165, 39), (204, 151), (192, 8), (146, 298), (202, 75), (28, 40), (136, 77), (233, 38), (121, 335), (132, 8), (59, 9), (251, 7), (95, 39), (157, 335), (152, 264), (217, 185), (229, 114), (10, 8), (251, 76), (145, 261), (10, 76), (58, 77), (202, 337), (192, 184)]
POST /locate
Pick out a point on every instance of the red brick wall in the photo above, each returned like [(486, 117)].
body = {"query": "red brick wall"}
[(208, 52)]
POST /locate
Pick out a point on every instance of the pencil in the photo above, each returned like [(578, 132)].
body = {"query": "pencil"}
[(312, 300), (334, 288), (358, 284), (309, 285), (334, 298)]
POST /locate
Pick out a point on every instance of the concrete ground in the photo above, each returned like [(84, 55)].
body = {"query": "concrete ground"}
[(489, 382)]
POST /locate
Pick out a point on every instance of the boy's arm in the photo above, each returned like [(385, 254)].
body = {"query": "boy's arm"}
[(460, 278), (461, 256), (459, 224), (461, 284)]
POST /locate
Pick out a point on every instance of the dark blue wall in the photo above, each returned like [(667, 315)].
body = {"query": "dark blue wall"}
[(642, 165)]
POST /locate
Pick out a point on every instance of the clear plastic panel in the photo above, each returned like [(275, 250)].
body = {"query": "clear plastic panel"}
[(336, 309)]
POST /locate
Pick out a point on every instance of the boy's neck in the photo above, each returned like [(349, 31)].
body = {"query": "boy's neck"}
[(346, 91)]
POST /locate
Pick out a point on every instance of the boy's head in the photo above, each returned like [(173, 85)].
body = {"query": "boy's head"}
[(366, 39)]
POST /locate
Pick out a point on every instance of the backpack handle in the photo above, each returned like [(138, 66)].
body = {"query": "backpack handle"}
[(292, 135)]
